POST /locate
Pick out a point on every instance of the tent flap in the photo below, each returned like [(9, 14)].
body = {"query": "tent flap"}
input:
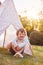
[(9, 16)]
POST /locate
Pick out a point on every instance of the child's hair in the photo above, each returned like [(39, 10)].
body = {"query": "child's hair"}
[(21, 30)]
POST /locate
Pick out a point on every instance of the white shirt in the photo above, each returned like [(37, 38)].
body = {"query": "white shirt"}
[(21, 44)]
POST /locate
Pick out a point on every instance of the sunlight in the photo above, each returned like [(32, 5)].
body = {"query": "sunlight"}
[(33, 7), (32, 14)]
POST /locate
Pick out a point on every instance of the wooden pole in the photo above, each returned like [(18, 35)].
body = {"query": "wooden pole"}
[(4, 38), (0, 3)]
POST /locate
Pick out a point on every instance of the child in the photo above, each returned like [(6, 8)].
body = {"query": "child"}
[(17, 46), (19, 43)]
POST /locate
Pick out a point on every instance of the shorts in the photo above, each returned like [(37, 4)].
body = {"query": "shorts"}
[(13, 52)]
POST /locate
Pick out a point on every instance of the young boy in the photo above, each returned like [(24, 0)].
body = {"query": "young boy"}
[(16, 47)]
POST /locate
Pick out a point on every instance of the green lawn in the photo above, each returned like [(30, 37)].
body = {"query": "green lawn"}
[(36, 59)]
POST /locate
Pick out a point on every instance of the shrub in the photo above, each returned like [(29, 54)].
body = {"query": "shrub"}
[(36, 38)]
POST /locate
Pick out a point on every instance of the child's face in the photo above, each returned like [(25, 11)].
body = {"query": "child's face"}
[(21, 35)]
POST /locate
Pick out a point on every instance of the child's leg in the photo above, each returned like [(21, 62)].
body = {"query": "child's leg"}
[(19, 53), (10, 49), (9, 45)]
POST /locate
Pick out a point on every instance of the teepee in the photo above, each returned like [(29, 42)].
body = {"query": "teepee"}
[(1, 7), (9, 16)]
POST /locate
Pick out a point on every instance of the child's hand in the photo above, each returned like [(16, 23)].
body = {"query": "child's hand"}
[(18, 48)]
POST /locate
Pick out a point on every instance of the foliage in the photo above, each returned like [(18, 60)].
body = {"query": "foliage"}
[(32, 24), (26, 23), (41, 25)]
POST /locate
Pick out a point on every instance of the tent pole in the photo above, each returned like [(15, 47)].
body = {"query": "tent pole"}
[(0, 3), (4, 38)]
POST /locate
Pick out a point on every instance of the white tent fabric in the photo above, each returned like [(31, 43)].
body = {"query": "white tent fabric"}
[(9, 16), (1, 8)]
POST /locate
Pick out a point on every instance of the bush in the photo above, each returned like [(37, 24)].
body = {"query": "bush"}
[(36, 38)]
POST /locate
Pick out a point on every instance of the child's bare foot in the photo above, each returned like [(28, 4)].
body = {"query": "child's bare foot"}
[(18, 55)]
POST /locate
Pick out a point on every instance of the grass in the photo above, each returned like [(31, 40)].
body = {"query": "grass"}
[(36, 59)]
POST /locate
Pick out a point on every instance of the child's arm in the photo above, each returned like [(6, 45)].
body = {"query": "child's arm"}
[(17, 49), (20, 49)]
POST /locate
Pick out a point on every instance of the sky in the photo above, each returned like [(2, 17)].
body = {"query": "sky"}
[(29, 8)]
